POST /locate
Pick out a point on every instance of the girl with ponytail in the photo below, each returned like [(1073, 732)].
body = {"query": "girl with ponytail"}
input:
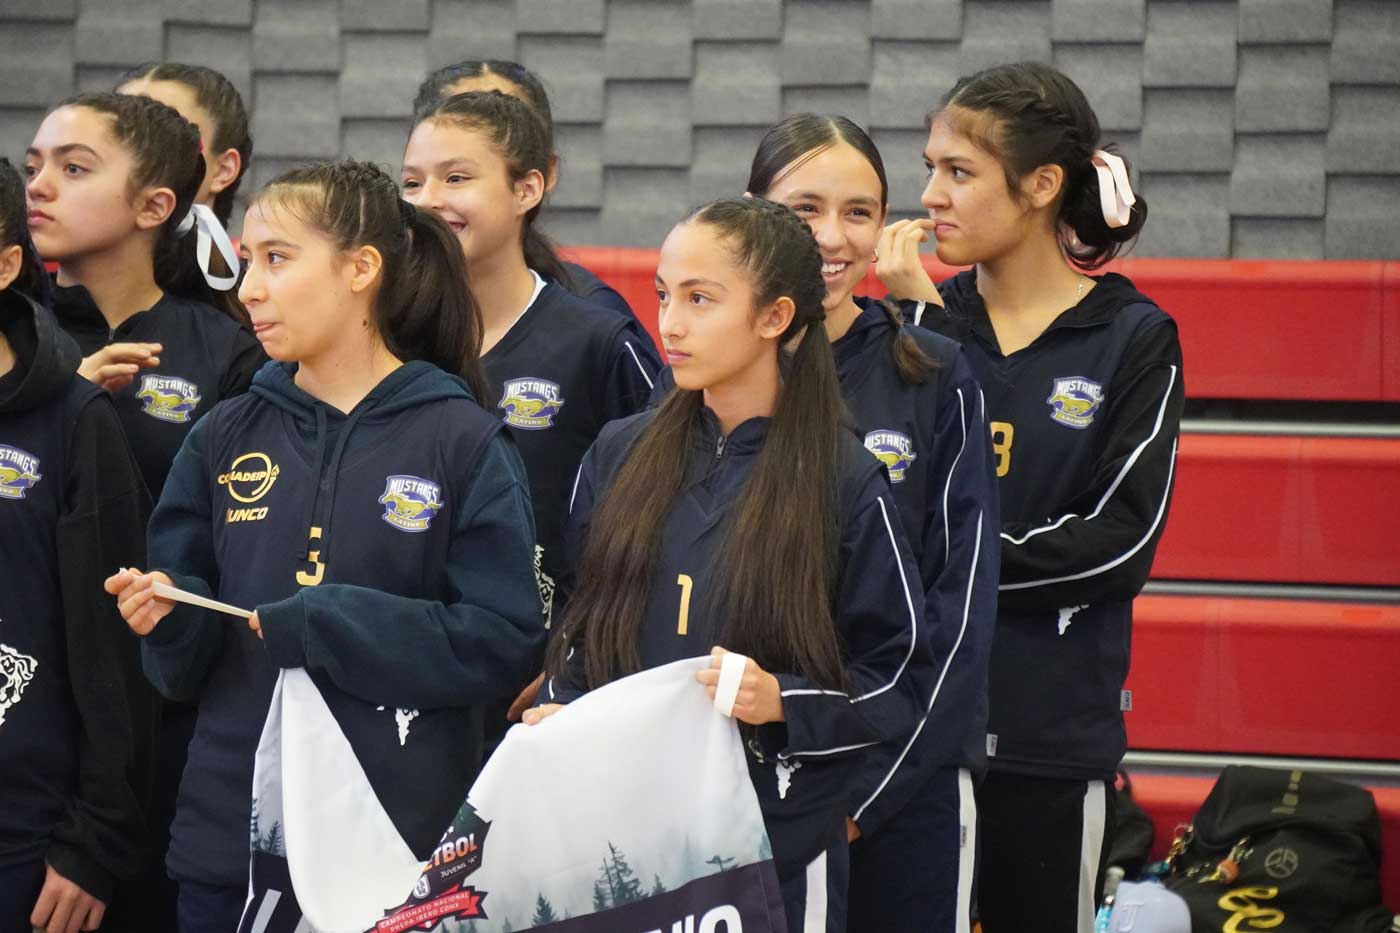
[(1084, 387), (367, 509), (111, 182), (743, 516), (557, 367), (918, 408)]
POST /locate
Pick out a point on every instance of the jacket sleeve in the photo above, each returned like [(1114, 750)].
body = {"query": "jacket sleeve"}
[(631, 375), (180, 651), (479, 645), (101, 837), (569, 685), (1101, 547), (889, 658), (960, 571)]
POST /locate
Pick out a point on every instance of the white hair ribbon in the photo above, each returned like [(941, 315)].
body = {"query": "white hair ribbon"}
[(1115, 193), (209, 231)]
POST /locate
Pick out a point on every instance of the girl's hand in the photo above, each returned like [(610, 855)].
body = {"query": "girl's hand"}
[(137, 600), (899, 267), (537, 715), (63, 907), (255, 625), (759, 700), (114, 366)]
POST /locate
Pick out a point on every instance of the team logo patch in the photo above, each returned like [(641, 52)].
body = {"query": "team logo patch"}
[(19, 471), (250, 476), (894, 450), (168, 398), (410, 502), (442, 892), (531, 403), (1074, 400)]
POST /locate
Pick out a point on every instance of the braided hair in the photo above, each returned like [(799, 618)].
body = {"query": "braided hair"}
[(424, 309), (778, 562), (1029, 114)]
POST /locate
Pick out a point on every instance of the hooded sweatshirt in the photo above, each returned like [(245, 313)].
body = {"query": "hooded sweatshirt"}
[(802, 768), (1084, 428), (77, 720), (387, 551)]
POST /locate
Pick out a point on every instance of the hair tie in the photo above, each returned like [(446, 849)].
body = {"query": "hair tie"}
[(1116, 197), (407, 212), (209, 231)]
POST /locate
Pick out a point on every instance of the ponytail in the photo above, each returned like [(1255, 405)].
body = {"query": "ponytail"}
[(780, 553), (1041, 117), (424, 309), (910, 360), (32, 280), (521, 137), (428, 309)]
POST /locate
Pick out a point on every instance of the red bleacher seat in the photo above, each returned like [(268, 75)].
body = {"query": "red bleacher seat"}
[(1172, 801), (1284, 510), (1249, 329), (1265, 677)]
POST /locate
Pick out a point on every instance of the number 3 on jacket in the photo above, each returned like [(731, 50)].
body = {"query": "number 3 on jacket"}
[(1003, 432)]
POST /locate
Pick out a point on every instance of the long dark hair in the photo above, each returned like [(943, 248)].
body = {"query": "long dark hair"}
[(1038, 116), (778, 564), (165, 150), (218, 97), (803, 136), (14, 229), (519, 136), (424, 309)]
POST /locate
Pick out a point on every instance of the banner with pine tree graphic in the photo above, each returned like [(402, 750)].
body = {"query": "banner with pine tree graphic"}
[(630, 810)]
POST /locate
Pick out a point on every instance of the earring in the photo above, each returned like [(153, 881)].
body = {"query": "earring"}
[(877, 255)]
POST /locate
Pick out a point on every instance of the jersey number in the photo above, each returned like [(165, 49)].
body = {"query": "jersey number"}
[(318, 569), (683, 623), (1003, 432)]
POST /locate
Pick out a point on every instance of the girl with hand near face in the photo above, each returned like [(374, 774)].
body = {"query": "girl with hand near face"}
[(77, 720), (362, 502), (919, 410), (742, 514), (111, 178), (1084, 393)]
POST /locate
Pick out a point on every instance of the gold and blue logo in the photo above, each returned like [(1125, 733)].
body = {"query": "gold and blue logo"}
[(894, 450), (410, 502), (168, 398), (531, 403), (1074, 400), (19, 471)]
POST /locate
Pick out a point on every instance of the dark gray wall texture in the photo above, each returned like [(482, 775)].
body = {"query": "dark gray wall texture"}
[(1258, 128)]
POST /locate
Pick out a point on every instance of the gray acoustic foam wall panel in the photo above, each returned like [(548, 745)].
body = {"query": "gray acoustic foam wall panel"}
[(1256, 128)]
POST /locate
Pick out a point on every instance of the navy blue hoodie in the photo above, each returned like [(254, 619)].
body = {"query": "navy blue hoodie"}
[(1084, 427), (803, 768), (387, 551), (205, 357), (932, 438), (77, 720)]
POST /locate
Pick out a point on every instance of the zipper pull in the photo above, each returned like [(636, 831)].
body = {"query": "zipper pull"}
[(719, 447)]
